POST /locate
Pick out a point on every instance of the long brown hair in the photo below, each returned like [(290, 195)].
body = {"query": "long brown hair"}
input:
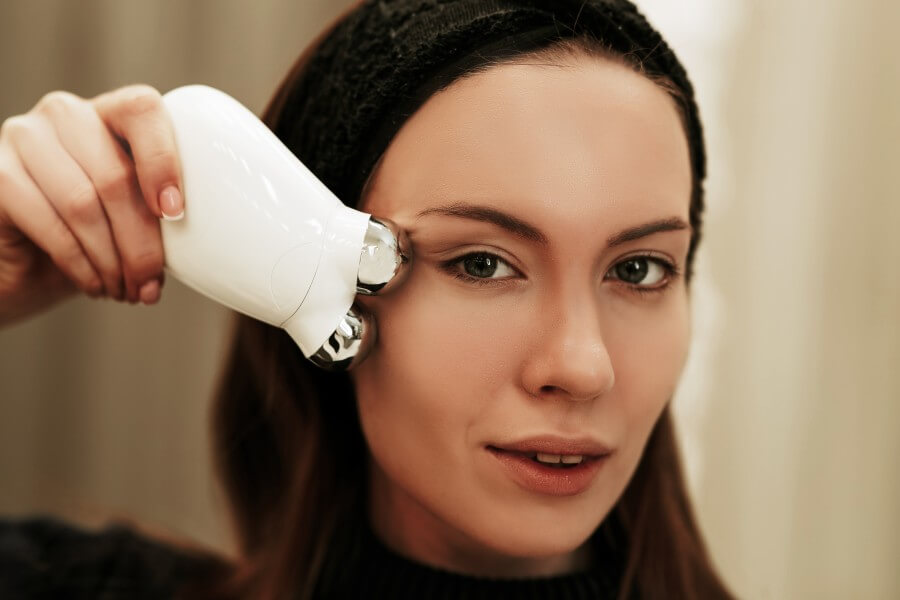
[(290, 455)]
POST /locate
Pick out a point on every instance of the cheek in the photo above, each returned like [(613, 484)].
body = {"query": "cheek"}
[(445, 370), (648, 350), (439, 358)]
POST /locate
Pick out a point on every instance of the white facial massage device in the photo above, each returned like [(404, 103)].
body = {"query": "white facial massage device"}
[(263, 236)]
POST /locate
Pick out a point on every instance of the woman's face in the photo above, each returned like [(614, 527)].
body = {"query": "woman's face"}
[(547, 207)]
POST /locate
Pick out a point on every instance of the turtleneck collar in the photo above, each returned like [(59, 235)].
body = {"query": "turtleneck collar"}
[(366, 568)]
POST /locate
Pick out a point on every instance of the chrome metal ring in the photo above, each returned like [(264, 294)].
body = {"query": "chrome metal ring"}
[(348, 345)]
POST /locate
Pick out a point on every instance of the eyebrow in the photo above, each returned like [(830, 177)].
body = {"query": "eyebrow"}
[(636, 233), (486, 214), (529, 232)]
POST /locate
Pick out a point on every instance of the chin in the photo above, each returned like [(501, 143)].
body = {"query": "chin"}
[(543, 533)]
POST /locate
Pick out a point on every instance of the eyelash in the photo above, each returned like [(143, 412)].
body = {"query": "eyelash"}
[(671, 272)]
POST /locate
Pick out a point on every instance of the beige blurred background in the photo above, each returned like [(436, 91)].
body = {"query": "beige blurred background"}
[(790, 406)]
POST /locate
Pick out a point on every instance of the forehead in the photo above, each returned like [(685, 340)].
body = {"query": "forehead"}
[(586, 142)]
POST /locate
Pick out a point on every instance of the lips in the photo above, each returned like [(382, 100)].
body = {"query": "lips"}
[(553, 461), (555, 445), (551, 475)]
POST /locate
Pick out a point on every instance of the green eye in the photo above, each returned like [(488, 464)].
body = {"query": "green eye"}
[(480, 265)]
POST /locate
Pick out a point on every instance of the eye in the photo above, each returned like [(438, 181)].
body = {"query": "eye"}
[(646, 272), (480, 267)]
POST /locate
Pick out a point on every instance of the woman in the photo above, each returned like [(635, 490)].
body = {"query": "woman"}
[(509, 435)]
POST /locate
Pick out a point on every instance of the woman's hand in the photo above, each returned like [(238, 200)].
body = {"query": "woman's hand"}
[(82, 186)]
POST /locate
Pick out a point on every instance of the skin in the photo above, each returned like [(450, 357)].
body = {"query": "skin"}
[(77, 210), (555, 342)]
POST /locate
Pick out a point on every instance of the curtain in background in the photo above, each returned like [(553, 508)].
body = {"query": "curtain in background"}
[(789, 410), (796, 426), (103, 407)]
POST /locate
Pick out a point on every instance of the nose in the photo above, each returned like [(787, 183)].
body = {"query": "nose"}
[(569, 358)]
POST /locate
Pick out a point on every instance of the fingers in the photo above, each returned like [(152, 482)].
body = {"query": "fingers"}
[(38, 220), (86, 181), (74, 199), (111, 171), (136, 115)]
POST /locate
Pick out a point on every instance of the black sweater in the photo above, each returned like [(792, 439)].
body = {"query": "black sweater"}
[(42, 558)]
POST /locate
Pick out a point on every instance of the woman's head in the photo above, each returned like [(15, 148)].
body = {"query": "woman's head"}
[(534, 307), (564, 168), (354, 88)]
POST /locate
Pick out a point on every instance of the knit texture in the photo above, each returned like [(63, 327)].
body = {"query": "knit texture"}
[(366, 568), (386, 57), (42, 558)]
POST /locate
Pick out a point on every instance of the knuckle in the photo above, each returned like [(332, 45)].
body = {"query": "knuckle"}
[(140, 99), (14, 128), (82, 204), (5, 126), (141, 89), (115, 184), (112, 274), (57, 102), (145, 262), (93, 287)]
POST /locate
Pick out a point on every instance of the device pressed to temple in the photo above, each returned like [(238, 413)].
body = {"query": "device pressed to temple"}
[(263, 236)]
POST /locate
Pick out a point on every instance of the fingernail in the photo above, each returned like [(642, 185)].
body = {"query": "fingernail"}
[(150, 292), (171, 204)]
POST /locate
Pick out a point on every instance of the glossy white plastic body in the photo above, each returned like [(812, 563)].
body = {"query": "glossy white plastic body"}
[(261, 234)]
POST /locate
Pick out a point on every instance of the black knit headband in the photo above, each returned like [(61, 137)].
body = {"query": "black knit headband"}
[(386, 57)]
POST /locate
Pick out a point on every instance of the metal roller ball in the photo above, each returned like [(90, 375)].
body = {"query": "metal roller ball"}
[(384, 259), (348, 345)]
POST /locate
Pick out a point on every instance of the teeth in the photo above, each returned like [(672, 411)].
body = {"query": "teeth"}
[(555, 459), (550, 459)]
